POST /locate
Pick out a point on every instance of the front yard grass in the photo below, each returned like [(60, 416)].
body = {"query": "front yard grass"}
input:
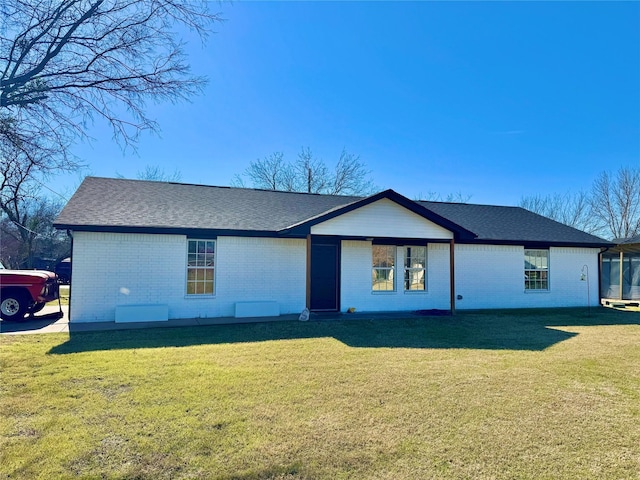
[(551, 394)]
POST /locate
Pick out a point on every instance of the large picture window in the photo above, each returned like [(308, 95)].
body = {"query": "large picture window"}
[(415, 263), (536, 269), (384, 260), (200, 267)]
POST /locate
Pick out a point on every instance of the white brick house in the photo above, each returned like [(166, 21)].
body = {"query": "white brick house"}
[(154, 250)]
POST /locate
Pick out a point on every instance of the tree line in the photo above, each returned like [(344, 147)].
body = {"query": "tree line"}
[(308, 173), (610, 209)]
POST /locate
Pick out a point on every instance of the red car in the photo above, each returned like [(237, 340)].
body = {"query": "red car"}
[(25, 292)]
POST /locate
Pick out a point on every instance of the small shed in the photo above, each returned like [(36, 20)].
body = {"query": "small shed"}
[(620, 268)]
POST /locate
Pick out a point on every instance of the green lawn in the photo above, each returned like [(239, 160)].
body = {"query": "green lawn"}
[(490, 395)]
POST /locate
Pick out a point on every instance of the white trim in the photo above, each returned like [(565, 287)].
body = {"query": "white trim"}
[(548, 270), (214, 268)]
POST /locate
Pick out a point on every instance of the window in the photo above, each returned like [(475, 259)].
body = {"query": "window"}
[(200, 267), (536, 269), (415, 262), (384, 260)]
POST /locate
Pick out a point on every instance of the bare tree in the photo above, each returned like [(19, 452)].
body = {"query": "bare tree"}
[(64, 63), (457, 197), (28, 233), (350, 176), (270, 173), (573, 210), (308, 174), (311, 174), (154, 172), (615, 203)]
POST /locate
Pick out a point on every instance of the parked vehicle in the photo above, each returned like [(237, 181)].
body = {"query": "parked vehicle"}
[(63, 271), (25, 292)]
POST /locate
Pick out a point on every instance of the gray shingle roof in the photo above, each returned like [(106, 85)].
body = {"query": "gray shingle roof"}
[(112, 202), (629, 240), (496, 223), (121, 205)]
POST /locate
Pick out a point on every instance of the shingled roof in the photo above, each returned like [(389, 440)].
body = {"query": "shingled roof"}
[(121, 205)]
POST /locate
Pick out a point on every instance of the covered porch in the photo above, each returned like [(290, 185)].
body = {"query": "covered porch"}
[(620, 274)]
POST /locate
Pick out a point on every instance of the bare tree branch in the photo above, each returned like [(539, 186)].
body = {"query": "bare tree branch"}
[(64, 63), (615, 203), (68, 60), (308, 174), (573, 210), (431, 196), (156, 173), (611, 209)]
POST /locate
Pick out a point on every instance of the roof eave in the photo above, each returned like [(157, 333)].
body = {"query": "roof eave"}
[(159, 230), (539, 243)]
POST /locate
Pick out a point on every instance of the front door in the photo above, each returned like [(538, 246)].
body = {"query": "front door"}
[(325, 274)]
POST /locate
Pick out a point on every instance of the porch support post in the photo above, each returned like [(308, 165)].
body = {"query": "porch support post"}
[(452, 275), (600, 266), (308, 299), (621, 272)]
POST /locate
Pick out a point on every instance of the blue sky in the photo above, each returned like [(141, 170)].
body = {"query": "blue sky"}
[(496, 100)]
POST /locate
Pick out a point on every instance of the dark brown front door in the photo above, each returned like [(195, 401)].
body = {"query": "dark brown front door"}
[(325, 274)]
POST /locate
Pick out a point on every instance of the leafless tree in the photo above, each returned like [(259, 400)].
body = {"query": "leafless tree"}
[(350, 176), (28, 233), (156, 173), (457, 197), (64, 63), (572, 209), (311, 174), (308, 174), (270, 173), (615, 203)]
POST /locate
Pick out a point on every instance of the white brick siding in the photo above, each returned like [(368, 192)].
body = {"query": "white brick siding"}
[(355, 282), (489, 276), (112, 269), (383, 218)]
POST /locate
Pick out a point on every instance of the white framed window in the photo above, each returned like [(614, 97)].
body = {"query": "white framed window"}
[(415, 268), (383, 270), (201, 267), (536, 270)]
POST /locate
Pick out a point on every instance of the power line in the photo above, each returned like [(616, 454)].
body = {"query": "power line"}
[(50, 189)]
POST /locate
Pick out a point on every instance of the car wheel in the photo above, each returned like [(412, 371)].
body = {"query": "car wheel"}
[(13, 306)]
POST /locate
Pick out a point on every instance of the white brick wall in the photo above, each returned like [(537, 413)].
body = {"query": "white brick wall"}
[(122, 269), (489, 276), (383, 218), (355, 281)]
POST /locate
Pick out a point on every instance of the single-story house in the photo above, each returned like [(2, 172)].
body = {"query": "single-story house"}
[(625, 253), (157, 250)]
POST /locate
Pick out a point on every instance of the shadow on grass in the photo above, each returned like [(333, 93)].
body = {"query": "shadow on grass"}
[(496, 330)]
